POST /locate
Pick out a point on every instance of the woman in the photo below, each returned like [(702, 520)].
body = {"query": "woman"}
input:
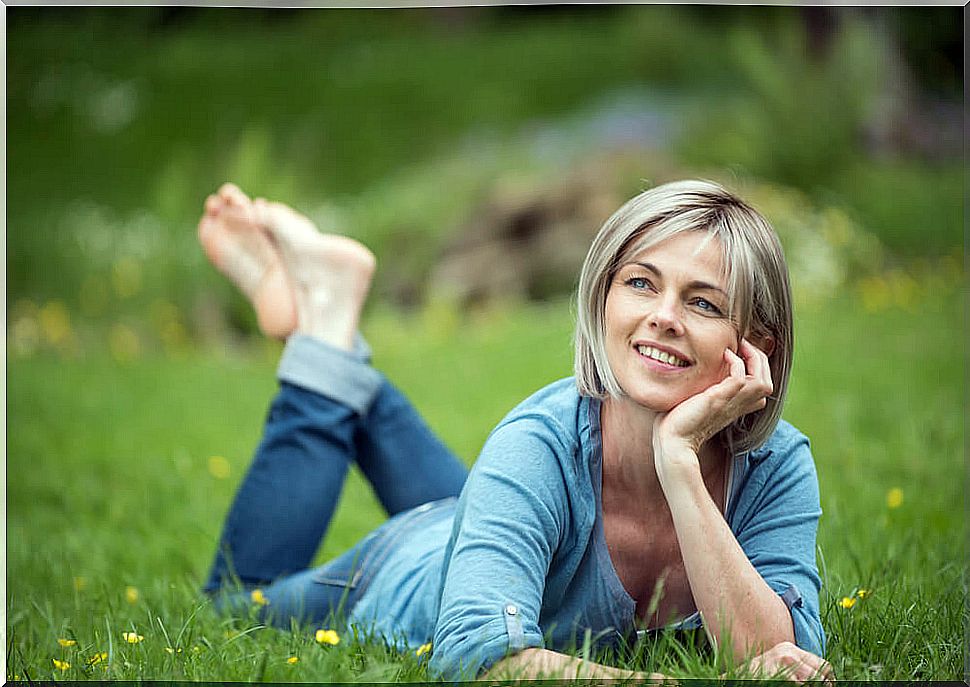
[(657, 487)]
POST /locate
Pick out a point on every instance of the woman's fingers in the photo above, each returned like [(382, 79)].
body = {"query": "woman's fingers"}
[(756, 362), (815, 668), (793, 662), (743, 390), (749, 392), (735, 364)]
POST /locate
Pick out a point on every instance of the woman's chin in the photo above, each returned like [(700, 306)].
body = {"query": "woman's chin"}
[(655, 403)]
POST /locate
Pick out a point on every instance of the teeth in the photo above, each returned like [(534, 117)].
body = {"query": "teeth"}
[(662, 356)]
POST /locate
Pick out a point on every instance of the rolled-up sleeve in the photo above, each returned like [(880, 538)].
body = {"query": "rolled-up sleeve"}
[(777, 531), (510, 520)]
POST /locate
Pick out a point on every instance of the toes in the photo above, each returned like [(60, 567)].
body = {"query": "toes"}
[(267, 214), (207, 225), (279, 217), (232, 194), (212, 205)]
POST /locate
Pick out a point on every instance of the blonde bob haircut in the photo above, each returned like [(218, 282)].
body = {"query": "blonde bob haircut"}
[(756, 274)]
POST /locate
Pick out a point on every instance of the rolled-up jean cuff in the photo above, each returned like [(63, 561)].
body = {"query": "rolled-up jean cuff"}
[(342, 376)]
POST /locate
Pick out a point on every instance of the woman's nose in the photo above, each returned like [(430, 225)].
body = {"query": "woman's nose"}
[(667, 316)]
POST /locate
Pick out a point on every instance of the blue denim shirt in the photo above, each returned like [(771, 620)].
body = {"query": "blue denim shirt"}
[(521, 560)]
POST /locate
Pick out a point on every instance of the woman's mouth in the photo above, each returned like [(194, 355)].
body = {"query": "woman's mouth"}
[(661, 356)]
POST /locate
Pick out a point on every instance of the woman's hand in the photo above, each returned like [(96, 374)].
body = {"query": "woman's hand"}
[(788, 661), (679, 433)]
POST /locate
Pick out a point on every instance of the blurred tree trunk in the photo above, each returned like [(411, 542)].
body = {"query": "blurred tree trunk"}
[(821, 27)]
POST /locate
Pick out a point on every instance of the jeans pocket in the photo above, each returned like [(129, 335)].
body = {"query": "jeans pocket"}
[(347, 581), (347, 569)]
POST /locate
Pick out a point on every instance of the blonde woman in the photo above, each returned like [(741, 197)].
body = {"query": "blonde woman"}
[(656, 488)]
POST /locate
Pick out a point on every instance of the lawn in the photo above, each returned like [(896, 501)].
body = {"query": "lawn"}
[(119, 475)]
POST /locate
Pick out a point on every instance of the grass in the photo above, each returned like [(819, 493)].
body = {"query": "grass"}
[(112, 485)]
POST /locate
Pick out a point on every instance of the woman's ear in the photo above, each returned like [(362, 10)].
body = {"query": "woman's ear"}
[(766, 342)]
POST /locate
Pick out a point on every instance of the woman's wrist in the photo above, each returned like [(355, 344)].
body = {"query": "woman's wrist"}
[(677, 464)]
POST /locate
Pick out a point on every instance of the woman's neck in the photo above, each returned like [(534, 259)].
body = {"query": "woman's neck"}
[(627, 438)]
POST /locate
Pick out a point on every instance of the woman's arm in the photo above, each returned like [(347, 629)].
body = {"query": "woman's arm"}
[(511, 516), (783, 660), (534, 664), (733, 598)]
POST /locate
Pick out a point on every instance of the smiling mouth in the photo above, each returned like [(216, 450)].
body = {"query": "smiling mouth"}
[(661, 356)]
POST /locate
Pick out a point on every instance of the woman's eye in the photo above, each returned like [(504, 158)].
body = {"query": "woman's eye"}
[(707, 306), (638, 282)]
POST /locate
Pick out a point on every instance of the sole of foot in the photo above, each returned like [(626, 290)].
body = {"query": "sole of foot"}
[(239, 247), (329, 275)]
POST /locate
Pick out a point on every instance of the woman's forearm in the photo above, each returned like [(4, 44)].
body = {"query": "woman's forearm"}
[(733, 599), (536, 663)]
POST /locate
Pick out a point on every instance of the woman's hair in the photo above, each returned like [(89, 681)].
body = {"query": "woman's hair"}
[(757, 277)]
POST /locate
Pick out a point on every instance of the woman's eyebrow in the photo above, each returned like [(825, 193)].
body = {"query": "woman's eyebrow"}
[(695, 284)]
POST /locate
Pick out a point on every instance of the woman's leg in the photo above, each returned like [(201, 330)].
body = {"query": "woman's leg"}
[(401, 457), (287, 498), (311, 287), (314, 428), (405, 462)]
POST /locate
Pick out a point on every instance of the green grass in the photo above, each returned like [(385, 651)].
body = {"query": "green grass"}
[(109, 486)]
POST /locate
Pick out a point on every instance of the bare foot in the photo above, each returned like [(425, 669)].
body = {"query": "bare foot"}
[(329, 275), (241, 249)]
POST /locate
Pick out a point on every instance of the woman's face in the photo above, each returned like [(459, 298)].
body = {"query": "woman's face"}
[(666, 321)]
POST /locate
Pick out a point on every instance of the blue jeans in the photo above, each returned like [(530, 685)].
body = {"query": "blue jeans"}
[(332, 409)]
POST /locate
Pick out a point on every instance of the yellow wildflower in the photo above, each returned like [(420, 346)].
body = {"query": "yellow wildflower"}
[(876, 293), (124, 343), (219, 467), (173, 651), (132, 637), (60, 665), (66, 642), (97, 658), (131, 594), (327, 637), (423, 649), (293, 659), (259, 598), (847, 602), (894, 497), (862, 593), (55, 322)]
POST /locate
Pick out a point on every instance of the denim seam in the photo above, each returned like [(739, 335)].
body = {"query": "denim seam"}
[(375, 558)]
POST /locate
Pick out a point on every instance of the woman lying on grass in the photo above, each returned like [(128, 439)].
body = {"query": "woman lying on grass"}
[(657, 488)]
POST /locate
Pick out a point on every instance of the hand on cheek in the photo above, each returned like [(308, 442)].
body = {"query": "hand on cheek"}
[(680, 433)]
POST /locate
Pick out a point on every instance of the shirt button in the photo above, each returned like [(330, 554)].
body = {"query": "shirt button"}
[(511, 609)]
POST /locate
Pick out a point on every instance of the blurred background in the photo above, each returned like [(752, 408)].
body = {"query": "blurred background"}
[(475, 150)]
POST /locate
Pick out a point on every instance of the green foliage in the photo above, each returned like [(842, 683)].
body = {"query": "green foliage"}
[(121, 120), (916, 209), (786, 116)]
